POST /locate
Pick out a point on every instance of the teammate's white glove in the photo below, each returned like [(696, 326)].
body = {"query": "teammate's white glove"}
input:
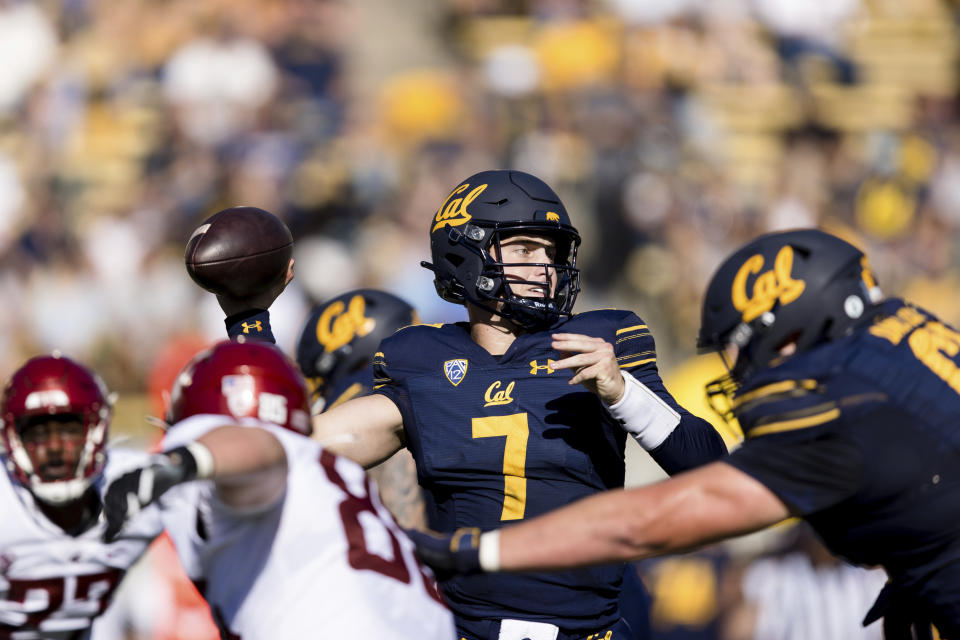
[(132, 491)]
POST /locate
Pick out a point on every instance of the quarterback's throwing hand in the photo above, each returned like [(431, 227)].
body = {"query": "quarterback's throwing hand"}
[(448, 554), (132, 491), (593, 363)]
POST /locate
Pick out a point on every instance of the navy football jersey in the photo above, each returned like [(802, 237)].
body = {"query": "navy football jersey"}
[(502, 438), (861, 436)]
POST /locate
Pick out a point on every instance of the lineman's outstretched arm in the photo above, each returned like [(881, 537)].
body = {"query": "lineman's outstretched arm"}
[(247, 464), (701, 506), (694, 508), (368, 430)]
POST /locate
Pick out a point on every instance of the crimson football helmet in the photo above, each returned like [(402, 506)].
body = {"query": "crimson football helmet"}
[(464, 239), (48, 387), (243, 379)]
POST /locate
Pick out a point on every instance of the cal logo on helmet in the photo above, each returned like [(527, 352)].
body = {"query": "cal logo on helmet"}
[(455, 370), (339, 323), (769, 286), (453, 212)]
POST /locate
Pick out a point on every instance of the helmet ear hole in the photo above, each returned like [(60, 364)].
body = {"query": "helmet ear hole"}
[(794, 337)]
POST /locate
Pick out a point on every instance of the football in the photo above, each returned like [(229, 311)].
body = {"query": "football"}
[(239, 252)]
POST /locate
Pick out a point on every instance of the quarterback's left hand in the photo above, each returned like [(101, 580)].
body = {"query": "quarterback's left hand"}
[(132, 491), (448, 554), (593, 362)]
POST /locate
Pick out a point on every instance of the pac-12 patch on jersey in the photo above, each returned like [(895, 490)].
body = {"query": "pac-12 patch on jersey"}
[(455, 370)]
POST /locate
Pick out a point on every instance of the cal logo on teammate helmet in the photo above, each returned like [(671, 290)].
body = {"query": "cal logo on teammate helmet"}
[(341, 335), (805, 286)]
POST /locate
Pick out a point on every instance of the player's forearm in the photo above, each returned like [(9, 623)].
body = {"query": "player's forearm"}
[(701, 506), (366, 430), (249, 465), (710, 503), (238, 451), (611, 527)]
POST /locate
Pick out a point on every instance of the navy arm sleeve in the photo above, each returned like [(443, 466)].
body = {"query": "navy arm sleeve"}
[(253, 324), (694, 441)]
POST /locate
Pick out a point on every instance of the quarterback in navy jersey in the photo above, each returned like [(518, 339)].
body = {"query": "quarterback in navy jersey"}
[(520, 410), (851, 413)]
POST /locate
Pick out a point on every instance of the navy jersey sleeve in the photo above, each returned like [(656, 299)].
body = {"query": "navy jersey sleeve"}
[(387, 381), (694, 441), (808, 474)]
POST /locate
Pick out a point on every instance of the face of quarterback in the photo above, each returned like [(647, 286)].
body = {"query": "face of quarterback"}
[(526, 249), (54, 444)]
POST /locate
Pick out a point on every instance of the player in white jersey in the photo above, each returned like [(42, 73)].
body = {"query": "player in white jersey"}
[(287, 539), (56, 573)]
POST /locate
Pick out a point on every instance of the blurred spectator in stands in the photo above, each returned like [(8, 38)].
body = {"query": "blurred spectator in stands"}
[(803, 592), (808, 30), (218, 81), (28, 44)]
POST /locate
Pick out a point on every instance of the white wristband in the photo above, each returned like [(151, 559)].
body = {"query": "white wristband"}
[(202, 456), (489, 551), (643, 413)]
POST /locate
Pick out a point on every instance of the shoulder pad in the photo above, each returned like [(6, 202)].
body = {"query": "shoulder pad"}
[(783, 405), (616, 321), (797, 398)]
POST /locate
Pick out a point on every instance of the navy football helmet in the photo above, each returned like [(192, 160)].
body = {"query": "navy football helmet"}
[(342, 334), (804, 286), (465, 236)]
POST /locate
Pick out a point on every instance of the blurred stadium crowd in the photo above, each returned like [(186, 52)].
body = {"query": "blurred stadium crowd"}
[(674, 130)]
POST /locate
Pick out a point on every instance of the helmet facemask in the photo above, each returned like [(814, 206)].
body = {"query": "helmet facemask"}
[(82, 452), (739, 353), (481, 279)]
